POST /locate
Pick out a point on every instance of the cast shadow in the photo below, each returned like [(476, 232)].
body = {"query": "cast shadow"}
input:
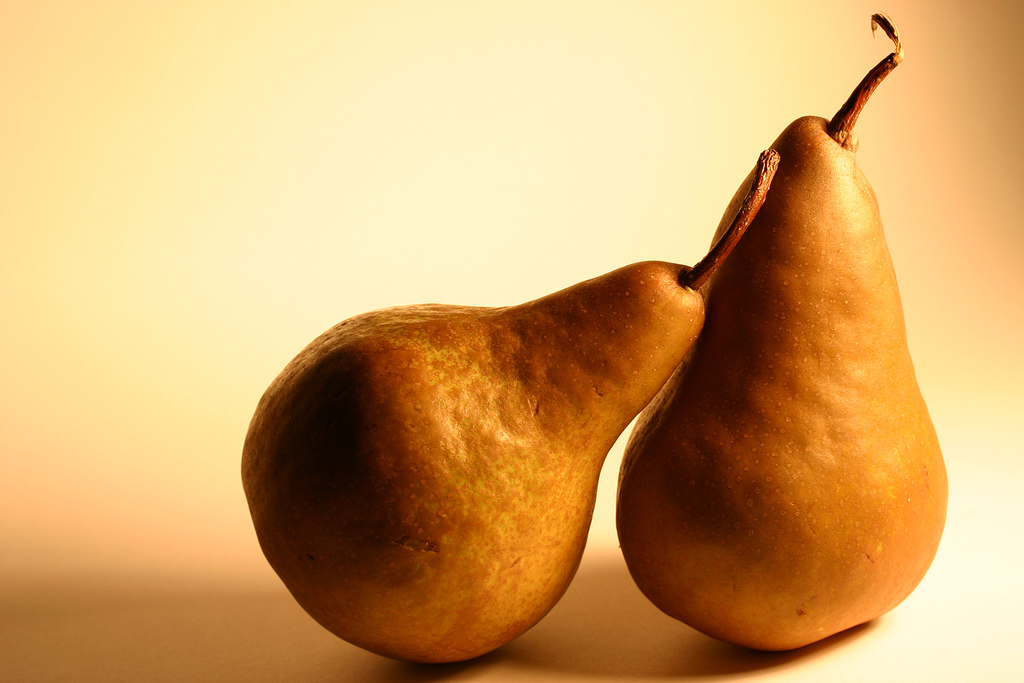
[(393, 671), (604, 626)]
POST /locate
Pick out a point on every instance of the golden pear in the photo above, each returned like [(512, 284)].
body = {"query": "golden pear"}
[(787, 483), (422, 478)]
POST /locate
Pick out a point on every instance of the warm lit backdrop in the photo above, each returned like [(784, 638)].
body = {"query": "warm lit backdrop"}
[(191, 191)]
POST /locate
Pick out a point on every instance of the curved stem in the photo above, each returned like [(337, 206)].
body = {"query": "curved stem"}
[(841, 125), (767, 164)]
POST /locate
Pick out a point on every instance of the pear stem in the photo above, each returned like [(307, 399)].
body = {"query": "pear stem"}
[(767, 164), (841, 126)]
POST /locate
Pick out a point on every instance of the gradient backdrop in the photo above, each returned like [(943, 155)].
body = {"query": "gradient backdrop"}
[(191, 191)]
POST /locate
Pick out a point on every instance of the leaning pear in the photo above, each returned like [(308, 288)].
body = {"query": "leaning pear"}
[(422, 478), (787, 484)]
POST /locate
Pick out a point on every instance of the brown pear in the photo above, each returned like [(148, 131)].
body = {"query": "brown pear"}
[(787, 483), (422, 478)]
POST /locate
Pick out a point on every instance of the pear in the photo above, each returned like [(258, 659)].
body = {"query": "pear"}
[(422, 478), (787, 484)]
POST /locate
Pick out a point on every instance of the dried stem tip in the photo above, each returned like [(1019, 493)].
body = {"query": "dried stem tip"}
[(841, 125), (767, 164)]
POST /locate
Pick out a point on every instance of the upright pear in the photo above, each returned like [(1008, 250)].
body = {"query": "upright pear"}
[(787, 483), (422, 478)]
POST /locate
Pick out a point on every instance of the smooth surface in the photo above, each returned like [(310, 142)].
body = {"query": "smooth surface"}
[(190, 192)]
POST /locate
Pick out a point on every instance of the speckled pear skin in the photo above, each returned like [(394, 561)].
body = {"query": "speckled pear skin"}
[(787, 483), (423, 478)]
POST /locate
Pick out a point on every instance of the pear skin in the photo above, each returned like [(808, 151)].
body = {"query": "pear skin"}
[(787, 483), (422, 478)]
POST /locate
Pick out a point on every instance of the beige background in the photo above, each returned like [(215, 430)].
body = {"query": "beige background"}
[(190, 192)]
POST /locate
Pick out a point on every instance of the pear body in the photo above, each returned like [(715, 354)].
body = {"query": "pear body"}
[(422, 478), (787, 483)]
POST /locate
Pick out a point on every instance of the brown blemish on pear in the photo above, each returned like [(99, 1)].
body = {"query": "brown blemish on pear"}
[(787, 483)]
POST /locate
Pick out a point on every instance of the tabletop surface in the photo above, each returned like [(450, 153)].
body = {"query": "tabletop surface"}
[(961, 624)]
